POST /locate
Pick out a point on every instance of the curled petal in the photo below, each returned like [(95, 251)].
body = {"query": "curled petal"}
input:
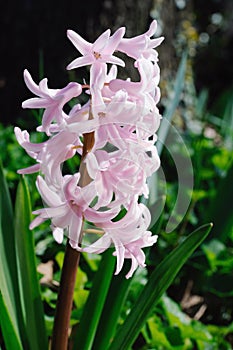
[(134, 265), (30, 83), (30, 170), (97, 247), (50, 197), (58, 234), (47, 213), (80, 62), (120, 254), (36, 102)]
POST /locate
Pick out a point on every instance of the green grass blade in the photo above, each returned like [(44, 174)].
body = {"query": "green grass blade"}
[(166, 123), (159, 281), (10, 336), (227, 122), (29, 286), (8, 264), (92, 311), (170, 110)]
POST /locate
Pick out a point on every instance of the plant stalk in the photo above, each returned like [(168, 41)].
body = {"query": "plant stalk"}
[(65, 299), (69, 270)]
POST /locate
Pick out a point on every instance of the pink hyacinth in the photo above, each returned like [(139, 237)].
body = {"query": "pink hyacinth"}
[(100, 52), (121, 119), (52, 100)]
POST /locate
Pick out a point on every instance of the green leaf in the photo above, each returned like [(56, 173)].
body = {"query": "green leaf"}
[(166, 123), (8, 265), (227, 122), (159, 281), (190, 329), (212, 250), (223, 219), (174, 336), (92, 311), (10, 336), (170, 110), (117, 294), (158, 335), (118, 291), (28, 280)]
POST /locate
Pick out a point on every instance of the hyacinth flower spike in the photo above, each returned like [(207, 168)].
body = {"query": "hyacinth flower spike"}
[(114, 134)]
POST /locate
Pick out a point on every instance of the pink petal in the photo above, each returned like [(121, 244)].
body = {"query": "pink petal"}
[(114, 41), (63, 221), (30, 170), (81, 61), (99, 246), (101, 42), (134, 266), (92, 165), (120, 254), (50, 197), (68, 92), (100, 217), (47, 213), (83, 127), (49, 115), (37, 102), (30, 83), (36, 222), (58, 234), (152, 29), (113, 60), (156, 42), (75, 228), (83, 46), (43, 85)]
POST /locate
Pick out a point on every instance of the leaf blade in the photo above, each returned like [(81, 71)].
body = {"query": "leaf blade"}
[(92, 311), (30, 291), (170, 110), (8, 264), (159, 281), (117, 294), (10, 336)]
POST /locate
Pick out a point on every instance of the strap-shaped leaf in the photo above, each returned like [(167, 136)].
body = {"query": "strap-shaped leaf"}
[(171, 108), (8, 266), (158, 283), (92, 311), (28, 280), (10, 336), (117, 294), (166, 122)]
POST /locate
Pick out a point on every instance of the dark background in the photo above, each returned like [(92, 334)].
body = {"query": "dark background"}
[(33, 36)]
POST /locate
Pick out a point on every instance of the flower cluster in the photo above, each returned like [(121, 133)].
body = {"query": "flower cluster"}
[(114, 133)]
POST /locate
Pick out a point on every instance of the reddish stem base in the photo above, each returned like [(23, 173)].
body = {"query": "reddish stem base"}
[(65, 299)]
